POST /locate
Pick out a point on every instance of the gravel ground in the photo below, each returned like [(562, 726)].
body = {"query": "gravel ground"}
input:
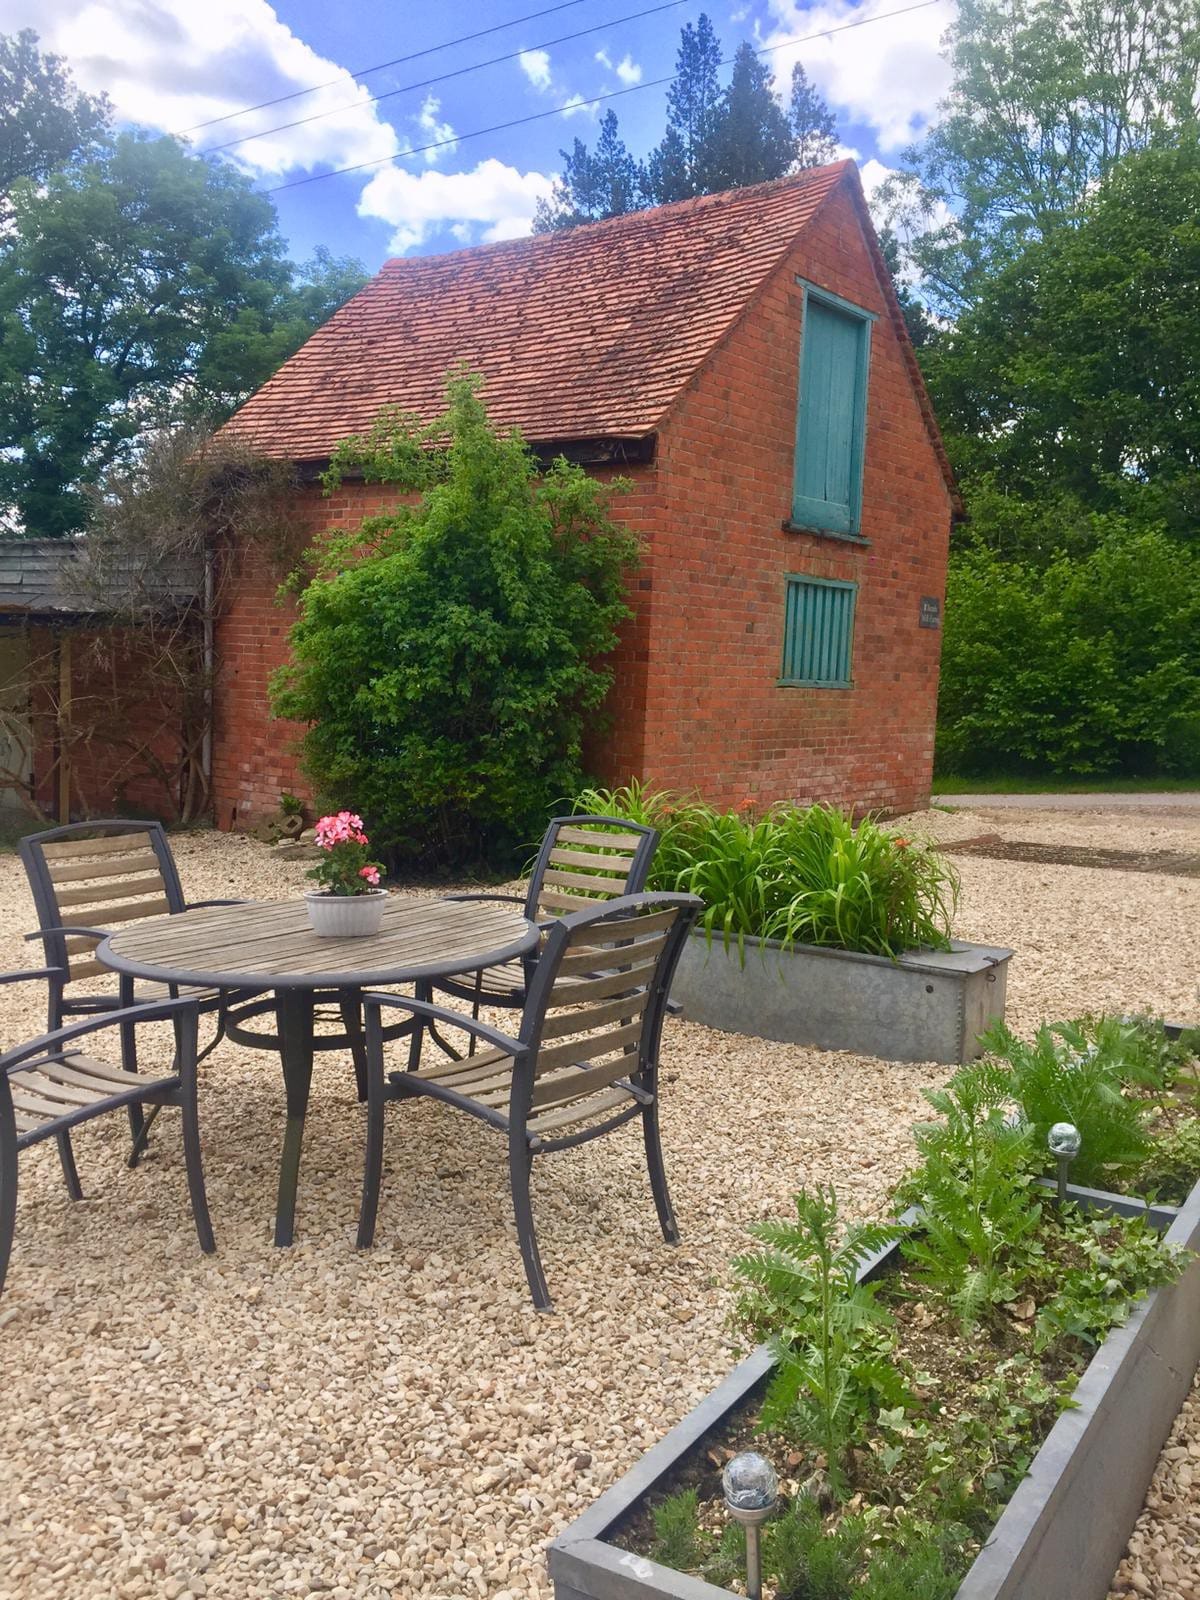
[(400, 1422)]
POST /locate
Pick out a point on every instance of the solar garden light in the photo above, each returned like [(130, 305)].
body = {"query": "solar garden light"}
[(751, 1491), (1064, 1141)]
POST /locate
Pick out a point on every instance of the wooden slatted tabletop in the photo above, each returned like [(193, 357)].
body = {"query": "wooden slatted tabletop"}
[(271, 945)]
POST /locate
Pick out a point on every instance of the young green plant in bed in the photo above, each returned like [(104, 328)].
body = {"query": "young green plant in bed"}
[(834, 1343)]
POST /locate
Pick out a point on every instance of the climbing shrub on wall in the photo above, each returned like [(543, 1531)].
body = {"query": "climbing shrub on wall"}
[(449, 653)]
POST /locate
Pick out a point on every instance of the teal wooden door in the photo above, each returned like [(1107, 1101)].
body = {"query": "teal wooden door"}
[(829, 423)]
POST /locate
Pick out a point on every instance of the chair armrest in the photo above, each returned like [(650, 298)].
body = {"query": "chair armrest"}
[(452, 1019), (48, 974), (199, 905), (71, 933), (49, 1043)]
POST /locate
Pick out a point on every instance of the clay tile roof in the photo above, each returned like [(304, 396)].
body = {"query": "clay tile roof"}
[(584, 334)]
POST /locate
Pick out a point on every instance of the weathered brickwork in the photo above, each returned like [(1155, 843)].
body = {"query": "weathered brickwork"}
[(716, 719), (696, 704)]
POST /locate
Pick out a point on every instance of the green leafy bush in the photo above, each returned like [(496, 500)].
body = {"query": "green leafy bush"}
[(1086, 664), (802, 875), (447, 656)]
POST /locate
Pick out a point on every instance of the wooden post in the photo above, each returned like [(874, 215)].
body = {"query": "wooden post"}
[(64, 726)]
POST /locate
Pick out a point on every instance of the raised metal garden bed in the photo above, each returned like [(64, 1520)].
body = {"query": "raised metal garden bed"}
[(1064, 1530), (926, 1005)]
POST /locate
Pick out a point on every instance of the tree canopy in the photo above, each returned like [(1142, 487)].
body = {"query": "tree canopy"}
[(1076, 373), (1045, 100), (714, 138), (140, 286), (44, 120)]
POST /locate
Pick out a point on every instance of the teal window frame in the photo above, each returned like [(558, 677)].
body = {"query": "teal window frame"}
[(825, 516), (793, 580)]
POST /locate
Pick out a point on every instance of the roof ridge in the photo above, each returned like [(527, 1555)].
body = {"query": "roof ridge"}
[(806, 178)]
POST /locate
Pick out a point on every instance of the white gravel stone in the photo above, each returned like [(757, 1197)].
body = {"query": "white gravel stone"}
[(401, 1422)]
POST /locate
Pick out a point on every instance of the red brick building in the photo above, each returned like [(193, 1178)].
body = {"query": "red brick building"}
[(743, 359)]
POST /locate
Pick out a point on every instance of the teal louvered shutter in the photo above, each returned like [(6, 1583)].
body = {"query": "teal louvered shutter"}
[(831, 417), (818, 632)]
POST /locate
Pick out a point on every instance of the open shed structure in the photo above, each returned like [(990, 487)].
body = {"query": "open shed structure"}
[(743, 359), (86, 725)]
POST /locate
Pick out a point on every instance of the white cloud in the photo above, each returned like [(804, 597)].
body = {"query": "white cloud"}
[(627, 69), (888, 75), (434, 131), (575, 105), (492, 201), (171, 63), (535, 64)]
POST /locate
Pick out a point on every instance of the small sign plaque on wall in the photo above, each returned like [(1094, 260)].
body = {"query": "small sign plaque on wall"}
[(931, 611)]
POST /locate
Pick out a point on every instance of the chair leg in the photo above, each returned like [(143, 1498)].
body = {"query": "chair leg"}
[(423, 992), (658, 1176), (520, 1160), (66, 1157), (194, 1163), (350, 1007), (138, 1131), (141, 1137), (372, 1162), (8, 1177)]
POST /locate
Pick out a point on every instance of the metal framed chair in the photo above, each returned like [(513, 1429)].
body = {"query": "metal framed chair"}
[(85, 878), (583, 1063), (583, 860), (49, 1086)]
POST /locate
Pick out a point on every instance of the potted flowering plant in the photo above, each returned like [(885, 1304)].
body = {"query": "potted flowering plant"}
[(349, 904)]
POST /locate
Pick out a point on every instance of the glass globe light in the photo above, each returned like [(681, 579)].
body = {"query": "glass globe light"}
[(749, 1483), (1064, 1140)]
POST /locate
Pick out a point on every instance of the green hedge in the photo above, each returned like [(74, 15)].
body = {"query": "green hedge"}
[(1087, 665)]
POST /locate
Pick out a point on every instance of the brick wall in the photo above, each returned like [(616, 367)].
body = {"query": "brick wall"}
[(696, 704), (716, 720)]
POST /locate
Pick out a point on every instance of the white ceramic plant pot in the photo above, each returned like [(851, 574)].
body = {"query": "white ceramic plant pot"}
[(346, 916)]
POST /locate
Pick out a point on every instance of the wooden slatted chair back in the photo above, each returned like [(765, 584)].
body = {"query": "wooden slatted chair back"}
[(97, 875), (594, 1014), (585, 860)]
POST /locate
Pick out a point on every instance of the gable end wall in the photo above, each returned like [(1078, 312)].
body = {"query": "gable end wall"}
[(716, 720)]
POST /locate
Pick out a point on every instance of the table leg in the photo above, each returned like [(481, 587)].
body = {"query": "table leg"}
[(350, 1006), (294, 1012)]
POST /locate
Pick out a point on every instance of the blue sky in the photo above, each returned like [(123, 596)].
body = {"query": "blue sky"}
[(168, 64)]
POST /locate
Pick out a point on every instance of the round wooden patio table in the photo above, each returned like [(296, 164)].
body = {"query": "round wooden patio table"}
[(269, 946)]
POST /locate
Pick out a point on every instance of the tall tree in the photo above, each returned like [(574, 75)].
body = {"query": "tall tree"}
[(751, 140), (44, 120), (682, 164), (1074, 381), (138, 287), (714, 139), (592, 185), (1045, 99), (814, 131)]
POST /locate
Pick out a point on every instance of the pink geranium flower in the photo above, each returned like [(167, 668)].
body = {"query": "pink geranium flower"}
[(344, 868)]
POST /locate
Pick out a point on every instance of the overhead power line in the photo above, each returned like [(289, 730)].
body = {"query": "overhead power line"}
[(595, 100), (363, 72), (443, 77)]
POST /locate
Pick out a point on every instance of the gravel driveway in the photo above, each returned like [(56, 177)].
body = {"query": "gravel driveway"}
[(267, 1423)]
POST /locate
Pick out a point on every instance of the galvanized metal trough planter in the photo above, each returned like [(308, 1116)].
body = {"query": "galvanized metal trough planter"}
[(926, 1005), (1064, 1530)]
